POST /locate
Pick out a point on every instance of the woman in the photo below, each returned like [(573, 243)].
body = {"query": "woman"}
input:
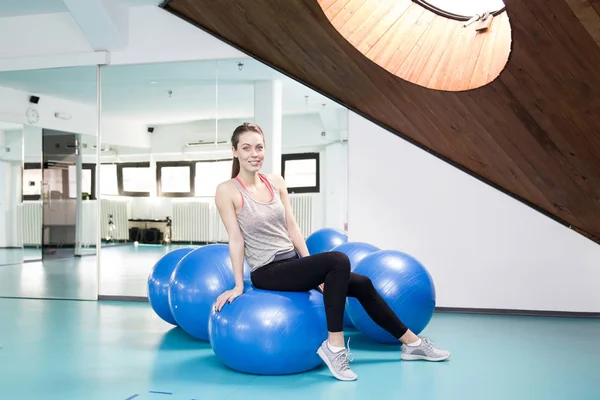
[(257, 214)]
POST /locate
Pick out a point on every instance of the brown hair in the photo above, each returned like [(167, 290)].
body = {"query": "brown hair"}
[(235, 138)]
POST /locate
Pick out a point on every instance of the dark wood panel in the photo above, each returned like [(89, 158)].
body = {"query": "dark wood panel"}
[(534, 132)]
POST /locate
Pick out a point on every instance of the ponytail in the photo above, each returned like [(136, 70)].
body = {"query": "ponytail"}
[(235, 168)]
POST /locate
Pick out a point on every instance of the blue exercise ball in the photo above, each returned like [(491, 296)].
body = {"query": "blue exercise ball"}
[(197, 281), (159, 280), (355, 251), (269, 333), (324, 240), (405, 285)]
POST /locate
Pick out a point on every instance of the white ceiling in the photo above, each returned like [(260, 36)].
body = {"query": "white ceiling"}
[(14, 8), (199, 90)]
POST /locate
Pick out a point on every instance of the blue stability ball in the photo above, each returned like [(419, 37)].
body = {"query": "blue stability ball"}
[(270, 333), (404, 284), (158, 283), (324, 240), (197, 281), (355, 251)]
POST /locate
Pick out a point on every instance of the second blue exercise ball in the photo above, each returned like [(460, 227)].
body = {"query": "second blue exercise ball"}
[(197, 281), (158, 283), (269, 332), (324, 240), (355, 251), (405, 285)]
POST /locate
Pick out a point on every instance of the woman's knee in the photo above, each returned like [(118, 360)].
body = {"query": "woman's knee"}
[(340, 261), (360, 285)]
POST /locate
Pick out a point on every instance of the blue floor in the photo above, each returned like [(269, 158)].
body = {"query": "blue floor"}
[(55, 349)]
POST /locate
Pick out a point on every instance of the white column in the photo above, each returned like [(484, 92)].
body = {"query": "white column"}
[(267, 115)]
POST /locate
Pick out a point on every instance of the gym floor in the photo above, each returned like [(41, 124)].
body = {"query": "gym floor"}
[(57, 349)]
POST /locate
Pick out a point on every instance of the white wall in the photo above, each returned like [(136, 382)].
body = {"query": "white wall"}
[(14, 104), (483, 249), (300, 133), (334, 186)]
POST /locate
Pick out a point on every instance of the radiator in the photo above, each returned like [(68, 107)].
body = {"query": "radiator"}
[(192, 221), (302, 206), (199, 220), (119, 209), (30, 230)]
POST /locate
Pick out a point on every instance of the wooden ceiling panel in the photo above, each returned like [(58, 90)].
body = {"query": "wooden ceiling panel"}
[(533, 132)]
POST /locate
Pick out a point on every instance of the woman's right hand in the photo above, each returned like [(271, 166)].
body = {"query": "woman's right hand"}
[(227, 297)]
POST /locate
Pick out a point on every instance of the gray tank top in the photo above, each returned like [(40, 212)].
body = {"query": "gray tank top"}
[(263, 227)]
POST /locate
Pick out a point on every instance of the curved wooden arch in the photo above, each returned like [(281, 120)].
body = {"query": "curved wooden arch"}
[(420, 46)]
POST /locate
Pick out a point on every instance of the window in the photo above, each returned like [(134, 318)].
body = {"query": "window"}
[(109, 183), (208, 176), (59, 181), (135, 179), (87, 180), (32, 182), (463, 9), (175, 179), (301, 172)]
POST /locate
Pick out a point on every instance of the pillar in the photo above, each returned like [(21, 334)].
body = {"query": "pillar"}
[(268, 115)]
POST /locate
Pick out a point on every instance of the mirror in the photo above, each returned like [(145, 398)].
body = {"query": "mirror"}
[(158, 177), (48, 163)]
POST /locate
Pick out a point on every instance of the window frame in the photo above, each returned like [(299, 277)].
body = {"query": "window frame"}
[(161, 164), (303, 156), (443, 13)]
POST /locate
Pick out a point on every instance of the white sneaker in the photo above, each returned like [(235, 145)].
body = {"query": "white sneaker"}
[(425, 351), (338, 363)]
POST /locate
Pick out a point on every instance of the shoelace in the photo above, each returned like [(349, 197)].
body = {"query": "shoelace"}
[(344, 358)]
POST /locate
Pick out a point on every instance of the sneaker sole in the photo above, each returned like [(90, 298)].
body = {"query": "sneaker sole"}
[(331, 369), (413, 357)]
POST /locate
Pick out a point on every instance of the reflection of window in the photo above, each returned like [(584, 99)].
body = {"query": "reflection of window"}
[(86, 181), (463, 8), (301, 172), (109, 183), (208, 176), (32, 183), (174, 179), (136, 179)]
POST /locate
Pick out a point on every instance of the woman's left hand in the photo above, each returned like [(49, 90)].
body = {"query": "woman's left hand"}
[(227, 297), (321, 287)]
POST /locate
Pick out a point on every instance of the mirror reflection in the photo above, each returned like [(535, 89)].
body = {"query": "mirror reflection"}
[(47, 164), (158, 180)]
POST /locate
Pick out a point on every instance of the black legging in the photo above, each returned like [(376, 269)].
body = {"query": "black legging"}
[(333, 269)]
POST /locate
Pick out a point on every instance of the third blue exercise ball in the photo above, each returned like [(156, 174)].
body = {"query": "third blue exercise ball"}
[(197, 281), (324, 240), (355, 251), (269, 332), (158, 283), (405, 285)]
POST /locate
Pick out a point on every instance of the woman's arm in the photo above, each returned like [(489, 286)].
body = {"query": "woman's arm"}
[(291, 224), (226, 207)]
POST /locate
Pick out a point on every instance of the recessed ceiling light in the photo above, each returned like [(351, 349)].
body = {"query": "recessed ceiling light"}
[(153, 82)]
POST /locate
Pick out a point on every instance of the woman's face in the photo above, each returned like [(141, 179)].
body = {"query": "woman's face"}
[(250, 151)]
